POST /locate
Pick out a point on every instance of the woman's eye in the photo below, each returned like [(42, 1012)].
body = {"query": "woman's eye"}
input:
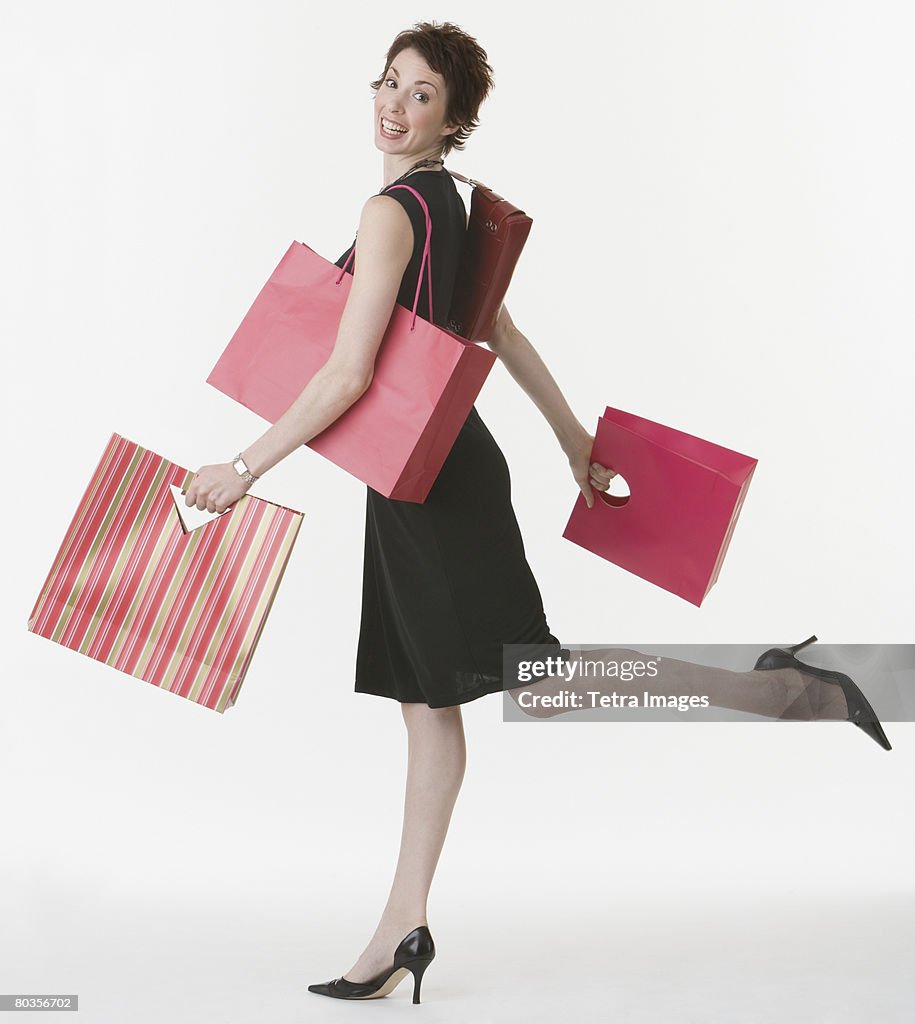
[(393, 82)]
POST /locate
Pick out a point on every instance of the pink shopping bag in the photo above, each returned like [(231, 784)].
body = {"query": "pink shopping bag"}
[(676, 523), (132, 588), (396, 437)]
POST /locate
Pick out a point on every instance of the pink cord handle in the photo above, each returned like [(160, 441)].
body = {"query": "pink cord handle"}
[(425, 263)]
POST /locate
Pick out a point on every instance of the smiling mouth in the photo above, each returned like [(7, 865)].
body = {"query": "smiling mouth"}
[(391, 127)]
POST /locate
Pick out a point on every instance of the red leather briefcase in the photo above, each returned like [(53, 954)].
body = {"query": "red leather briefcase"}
[(496, 234)]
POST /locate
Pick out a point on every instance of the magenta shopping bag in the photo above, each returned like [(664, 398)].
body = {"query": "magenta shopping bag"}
[(685, 494), (426, 379)]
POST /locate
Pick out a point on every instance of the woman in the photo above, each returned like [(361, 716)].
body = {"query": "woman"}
[(446, 583)]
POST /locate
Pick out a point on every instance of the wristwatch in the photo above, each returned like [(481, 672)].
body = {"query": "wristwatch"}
[(240, 467)]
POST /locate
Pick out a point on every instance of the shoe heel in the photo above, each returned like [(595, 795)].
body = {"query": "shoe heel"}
[(418, 967), (860, 712), (801, 645)]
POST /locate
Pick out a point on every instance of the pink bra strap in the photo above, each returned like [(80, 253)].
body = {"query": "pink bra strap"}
[(425, 263)]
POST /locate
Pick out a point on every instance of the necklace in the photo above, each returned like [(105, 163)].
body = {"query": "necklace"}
[(419, 163)]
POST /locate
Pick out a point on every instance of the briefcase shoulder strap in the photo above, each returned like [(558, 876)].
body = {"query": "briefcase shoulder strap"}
[(460, 177), (478, 186)]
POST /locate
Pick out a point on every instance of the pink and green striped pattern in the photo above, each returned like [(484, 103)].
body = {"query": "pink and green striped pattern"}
[(130, 588)]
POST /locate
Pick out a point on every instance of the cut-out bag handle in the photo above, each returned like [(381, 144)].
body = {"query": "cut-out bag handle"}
[(425, 263)]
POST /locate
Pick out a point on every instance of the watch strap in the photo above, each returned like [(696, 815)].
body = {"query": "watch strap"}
[(241, 467)]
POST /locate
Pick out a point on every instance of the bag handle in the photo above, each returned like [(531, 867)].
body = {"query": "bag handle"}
[(467, 181), (425, 263), (477, 185)]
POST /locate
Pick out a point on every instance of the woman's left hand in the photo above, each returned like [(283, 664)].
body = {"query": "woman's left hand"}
[(588, 474), (215, 488)]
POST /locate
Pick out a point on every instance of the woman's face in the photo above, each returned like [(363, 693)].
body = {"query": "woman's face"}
[(410, 107)]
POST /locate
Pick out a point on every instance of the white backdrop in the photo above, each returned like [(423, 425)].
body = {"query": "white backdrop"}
[(723, 241)]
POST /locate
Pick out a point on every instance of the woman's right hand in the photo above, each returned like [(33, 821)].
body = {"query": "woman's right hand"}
[(588, 474)]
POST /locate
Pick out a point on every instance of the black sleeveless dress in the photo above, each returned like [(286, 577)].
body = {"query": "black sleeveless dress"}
[(445, 582)]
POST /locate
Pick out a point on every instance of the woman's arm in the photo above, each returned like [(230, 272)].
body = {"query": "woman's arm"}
[(384, 245), (523, 362)]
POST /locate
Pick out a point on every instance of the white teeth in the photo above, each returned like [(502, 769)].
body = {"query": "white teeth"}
[(391, 127)]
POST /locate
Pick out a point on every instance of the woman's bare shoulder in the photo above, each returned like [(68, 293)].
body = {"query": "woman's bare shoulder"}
[(384, 225), (384, 213)]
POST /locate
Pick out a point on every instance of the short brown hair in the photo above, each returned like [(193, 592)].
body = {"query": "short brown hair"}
[(460, 60)]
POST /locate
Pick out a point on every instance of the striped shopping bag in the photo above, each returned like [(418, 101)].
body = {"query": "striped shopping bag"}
[(131, 587)]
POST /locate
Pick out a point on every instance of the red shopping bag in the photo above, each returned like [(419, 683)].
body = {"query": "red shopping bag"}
[(132, 588), (426, 379), (685, 495)]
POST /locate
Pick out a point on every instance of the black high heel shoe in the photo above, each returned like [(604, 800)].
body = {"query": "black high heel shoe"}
[(860, 712), (414, 953)]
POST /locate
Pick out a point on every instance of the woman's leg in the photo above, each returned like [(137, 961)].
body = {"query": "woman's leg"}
[(775, 693), (436, 759)]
